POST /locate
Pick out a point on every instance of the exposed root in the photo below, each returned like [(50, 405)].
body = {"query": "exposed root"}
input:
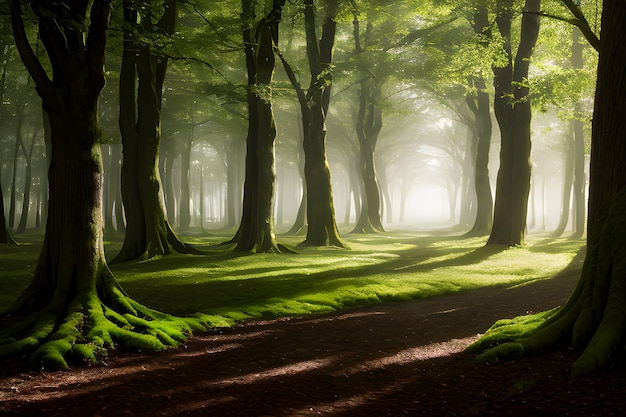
[(90, 329), (594, 318)]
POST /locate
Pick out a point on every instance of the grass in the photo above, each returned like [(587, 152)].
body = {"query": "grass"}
[(395, 266)]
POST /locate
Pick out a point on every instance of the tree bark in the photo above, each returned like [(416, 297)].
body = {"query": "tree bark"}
[(369, 123), (28, 181), (185, 166), (593, 320), (4, 233), (322, 226), (74, 307), (479, 105), (513, 112), (320, 209), (580, 179), (256, 230), (148, 233)]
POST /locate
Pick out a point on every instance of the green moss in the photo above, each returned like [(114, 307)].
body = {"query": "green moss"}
[(51, 355), (88, 352), (509, 330), (227, 288), (506, 351)]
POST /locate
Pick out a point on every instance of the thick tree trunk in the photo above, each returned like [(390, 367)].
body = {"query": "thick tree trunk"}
[(322, 227), (148, 233), (513, 112), (594, 318), (256, 230), (74, 307)]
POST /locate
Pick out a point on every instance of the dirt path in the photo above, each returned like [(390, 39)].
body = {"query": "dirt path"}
[(386, 360)]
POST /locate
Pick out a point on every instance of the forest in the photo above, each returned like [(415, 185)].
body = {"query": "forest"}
[(175, 174)]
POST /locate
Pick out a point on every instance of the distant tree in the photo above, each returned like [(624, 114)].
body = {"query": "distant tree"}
[(148, 232), (368, 124), (513, 112), (4, 233), (593, 320), (478, 102), (74, 308)]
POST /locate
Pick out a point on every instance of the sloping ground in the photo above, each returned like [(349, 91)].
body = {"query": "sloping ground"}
[(388, 360)]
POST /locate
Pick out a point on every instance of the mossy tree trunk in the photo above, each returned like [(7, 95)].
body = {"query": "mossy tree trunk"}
[(74, 308), (513, 112), (148, 232), (256, 230), (594, 318), (320, 209)]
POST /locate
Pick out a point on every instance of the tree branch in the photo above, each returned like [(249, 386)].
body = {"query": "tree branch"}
[(420, 33), (30, 60)]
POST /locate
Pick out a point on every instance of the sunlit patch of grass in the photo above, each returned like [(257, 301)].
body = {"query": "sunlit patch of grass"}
[(393, 266)]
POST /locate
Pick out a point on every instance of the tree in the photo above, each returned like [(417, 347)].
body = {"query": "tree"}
[(314, 105), (256, 230), (513, 112), (594, 318), (148, 233), (4, 233), (74, 308), (478, 103), (369, 123)]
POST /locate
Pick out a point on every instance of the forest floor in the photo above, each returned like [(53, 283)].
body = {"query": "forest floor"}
[(396, 359)]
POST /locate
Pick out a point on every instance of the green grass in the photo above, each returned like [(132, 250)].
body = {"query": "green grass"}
[(393, 266)]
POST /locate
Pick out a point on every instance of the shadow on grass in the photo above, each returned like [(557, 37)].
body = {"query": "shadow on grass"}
[(382, 360), (255, 291)]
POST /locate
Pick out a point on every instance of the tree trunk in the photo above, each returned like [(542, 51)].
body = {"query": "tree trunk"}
[(299, 225), (28, 181), (568, 182), (322, 227), (4, 233), (369, 123), (578, 191), (233, 191), (185, 165), (74, 307), (16, 150), (513, 112), (148, 233), (482, 185), (594, 318), (256, 230)]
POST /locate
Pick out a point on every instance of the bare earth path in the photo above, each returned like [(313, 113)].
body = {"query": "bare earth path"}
[(402, 359)]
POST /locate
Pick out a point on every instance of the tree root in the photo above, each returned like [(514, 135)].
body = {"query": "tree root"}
[(594, 318), (90, 329)]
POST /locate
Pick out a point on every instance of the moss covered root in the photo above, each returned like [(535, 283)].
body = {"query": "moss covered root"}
[(90, 329)]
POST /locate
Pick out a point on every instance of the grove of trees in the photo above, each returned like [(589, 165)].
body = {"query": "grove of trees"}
[(258, 117)]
